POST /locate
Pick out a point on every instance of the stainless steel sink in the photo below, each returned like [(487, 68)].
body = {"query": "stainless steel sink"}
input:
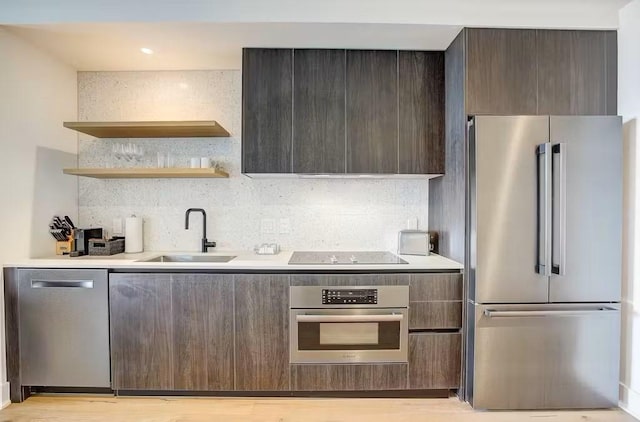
[(189, 258)]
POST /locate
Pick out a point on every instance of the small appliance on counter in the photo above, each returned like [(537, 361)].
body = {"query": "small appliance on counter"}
[(82, 238), (413, 242)]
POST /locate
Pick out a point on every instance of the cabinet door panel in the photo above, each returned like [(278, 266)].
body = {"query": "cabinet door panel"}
[(571, 72), (429, 287), (501, 71), (141, 333), (202, 308), (319, 140), (349, 377), (262, 332), (267, 78), (435, 315), (434, 360), (421, 112), (372, 111)]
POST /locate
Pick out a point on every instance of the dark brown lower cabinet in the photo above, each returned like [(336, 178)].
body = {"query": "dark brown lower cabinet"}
[(202, 310), (434, 360), (349, 377), (435, 315), (141, 331), (262, 332), (171, 331)]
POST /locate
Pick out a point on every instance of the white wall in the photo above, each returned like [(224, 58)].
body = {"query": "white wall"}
[(323, 214), (37, 93), (629, 108)]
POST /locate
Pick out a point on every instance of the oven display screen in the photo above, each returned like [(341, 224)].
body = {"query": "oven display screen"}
[(349, 296)]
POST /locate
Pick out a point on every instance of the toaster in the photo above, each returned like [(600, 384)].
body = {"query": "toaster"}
[(413, 242)]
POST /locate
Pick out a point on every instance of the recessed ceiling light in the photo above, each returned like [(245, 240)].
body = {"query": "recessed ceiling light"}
[(146, 50)]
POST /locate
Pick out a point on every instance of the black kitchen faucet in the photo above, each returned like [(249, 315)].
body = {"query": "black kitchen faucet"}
[(205, 243)]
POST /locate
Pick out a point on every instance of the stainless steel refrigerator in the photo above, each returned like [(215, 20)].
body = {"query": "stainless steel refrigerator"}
[(544, 240)]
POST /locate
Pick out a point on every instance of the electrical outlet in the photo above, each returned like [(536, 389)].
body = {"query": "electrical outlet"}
[(117, 229), (268, 226), (285, 226)]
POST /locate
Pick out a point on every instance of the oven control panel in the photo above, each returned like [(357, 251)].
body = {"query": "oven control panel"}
[(349, 296)]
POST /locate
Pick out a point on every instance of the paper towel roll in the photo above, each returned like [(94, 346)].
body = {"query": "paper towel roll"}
[(133, 241)]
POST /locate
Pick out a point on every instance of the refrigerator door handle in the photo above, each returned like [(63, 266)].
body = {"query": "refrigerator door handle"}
[(555, 313), (543, 209), (559, 207)]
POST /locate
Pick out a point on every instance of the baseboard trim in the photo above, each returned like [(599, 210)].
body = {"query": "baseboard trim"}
[(630, 401), (4, 394)]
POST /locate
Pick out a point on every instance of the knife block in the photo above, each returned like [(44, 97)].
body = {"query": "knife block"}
[(64, 247)]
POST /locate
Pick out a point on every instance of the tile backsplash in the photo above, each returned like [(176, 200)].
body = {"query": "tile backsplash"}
[(321, 213)]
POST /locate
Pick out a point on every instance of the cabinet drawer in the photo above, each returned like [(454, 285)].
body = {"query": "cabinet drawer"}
[(434, 360), (425, 287), (349, 377), (435, 315), (351, 280)]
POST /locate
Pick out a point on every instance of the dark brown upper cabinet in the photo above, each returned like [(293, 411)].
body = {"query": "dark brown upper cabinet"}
[(501, 71), (343, 112), (421, 112), (319, 138), (572, 72), (539, 71), (372, 111), (267, 79)]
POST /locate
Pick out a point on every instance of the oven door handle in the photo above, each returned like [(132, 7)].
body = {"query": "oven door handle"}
[(349, 318)]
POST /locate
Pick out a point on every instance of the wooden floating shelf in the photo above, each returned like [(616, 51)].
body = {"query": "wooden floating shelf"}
[(165, 129), (148, 173)]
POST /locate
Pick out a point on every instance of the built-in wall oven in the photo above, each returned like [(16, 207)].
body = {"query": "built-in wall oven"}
[(331, 324)]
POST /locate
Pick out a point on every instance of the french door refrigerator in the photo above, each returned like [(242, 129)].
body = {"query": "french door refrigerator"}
[(544, 240)]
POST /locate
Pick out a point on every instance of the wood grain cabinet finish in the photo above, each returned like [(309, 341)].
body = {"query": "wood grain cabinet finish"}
[(501, 71), (372, 111), (421, 112), (202, 317), (267, 77), (262, 332), (319, 138), (434, 360), (141, 331), (572, 76), (435, 301), (171, 332), (351, 377)]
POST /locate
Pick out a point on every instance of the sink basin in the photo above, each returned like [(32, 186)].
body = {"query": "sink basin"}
[(190, 258)]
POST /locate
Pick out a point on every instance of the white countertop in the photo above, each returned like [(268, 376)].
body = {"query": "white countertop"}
[(245, 260)]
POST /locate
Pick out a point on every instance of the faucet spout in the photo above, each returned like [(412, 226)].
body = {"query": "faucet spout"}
[(205, 242)]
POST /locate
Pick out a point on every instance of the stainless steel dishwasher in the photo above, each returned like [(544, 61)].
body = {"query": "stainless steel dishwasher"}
[(64, 328)]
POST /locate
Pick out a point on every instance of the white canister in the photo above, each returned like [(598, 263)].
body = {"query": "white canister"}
[(133, 234)]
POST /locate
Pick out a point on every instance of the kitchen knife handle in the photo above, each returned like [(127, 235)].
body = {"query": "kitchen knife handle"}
[(543, 209), (559, 204)]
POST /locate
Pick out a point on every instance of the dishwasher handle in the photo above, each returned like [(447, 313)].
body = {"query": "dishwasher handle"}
[(553, 313), (349, 318), (76, 284)]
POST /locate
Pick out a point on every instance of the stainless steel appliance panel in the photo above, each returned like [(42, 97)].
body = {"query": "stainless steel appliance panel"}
[(363, 347), (311, 296), (546, 356), (64, 328), (587, 208), (504, 184)]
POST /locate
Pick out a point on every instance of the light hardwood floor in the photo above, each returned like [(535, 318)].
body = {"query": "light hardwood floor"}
[(103, 408)]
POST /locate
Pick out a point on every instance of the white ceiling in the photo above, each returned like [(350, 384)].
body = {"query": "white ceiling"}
[(210, 34), (177, 46)]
